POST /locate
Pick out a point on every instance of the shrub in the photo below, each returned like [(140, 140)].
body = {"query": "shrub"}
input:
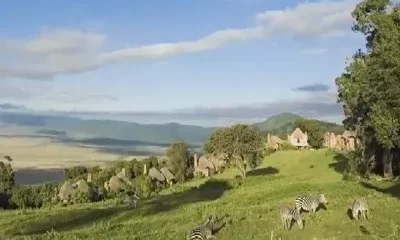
[(144, 186), (287, 146), (75, 172), (32, 196), (6, 178), (356, 168)]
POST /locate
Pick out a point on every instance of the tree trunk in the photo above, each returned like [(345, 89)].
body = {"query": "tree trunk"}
[(242, 167), (387, 163)]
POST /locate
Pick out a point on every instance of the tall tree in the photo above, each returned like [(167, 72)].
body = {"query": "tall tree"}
[(369, 89), (178, 160), (241, 145)]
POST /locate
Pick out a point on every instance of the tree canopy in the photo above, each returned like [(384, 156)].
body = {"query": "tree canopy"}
[(241, 145), (369, 88), (179, 160)]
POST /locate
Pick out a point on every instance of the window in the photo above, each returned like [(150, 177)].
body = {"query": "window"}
[(298, 140)]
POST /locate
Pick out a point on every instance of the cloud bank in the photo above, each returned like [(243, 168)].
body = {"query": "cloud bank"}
[(317, 87), (54, 51), (317, 105), (12, 92)]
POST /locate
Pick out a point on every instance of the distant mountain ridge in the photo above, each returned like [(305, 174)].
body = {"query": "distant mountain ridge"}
[(129, 131)]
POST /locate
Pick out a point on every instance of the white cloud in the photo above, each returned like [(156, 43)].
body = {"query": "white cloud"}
[(310, 19), (56, 52), (51, 93)]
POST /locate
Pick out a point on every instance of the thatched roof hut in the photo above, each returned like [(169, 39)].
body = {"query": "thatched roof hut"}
[(155, 174), (205, 162), (115, 184), (67, 192), (167, 174)]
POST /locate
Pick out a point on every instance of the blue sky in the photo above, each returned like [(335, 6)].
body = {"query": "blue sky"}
[(206, 62)]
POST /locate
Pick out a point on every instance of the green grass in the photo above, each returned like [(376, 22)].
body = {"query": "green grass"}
[(252, 207)]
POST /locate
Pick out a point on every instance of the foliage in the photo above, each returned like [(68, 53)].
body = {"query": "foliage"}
[(144, 186), (287, 146), (314, 130), (75, 172), (241, 144), (369, 87), (282, 124), (151, 162), (6, 177), (32, 196), (179, 160), (252, 208)]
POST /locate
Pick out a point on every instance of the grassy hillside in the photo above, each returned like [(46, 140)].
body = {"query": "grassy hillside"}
[(281, 123), (253, 207), (284, 123)]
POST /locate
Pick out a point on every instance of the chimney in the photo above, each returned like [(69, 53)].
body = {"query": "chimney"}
[(195, 160), (269, 138), (89, 177), (145, 169), (123, 172)]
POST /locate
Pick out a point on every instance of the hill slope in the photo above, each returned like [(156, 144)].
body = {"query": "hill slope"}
[(64, 126), (110, 129), (284, 123), (253, 207)]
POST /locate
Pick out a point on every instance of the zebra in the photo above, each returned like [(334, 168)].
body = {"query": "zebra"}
[(310, 202), (359, 206), (131, 199), (289, 213), (208, 229)]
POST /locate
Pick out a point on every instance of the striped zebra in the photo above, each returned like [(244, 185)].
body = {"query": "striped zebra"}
[(289, 213), (359, 207), (202, 232), (131, 199), (310, 202)]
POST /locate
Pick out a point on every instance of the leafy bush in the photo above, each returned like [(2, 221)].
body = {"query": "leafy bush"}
[(355, 167), (6, 178), (287, 146), (144, 186), (32, 196), (75, 172)]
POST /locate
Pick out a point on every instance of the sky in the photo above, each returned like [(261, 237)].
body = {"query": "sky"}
[(203, 62)]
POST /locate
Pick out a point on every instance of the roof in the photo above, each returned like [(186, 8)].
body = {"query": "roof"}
[(155, 174), (297, 133), (348, 133), (167, 173), (205, 163), (276, 139)]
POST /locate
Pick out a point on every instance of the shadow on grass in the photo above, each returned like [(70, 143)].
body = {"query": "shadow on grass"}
[(210, 190), (350, 214), (394, 190), (340, 164), (67, 220), (263, 171), (70, 219)]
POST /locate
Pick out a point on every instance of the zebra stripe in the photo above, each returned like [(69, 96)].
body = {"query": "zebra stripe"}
[(202, 232), (289, 213), (131, 200), (309, 203), (360, 206)]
